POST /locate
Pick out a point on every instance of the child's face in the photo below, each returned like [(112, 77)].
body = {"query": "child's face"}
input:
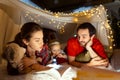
[(56, 49), (36, 41)]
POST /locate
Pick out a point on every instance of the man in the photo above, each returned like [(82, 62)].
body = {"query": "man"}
[(86, 49)]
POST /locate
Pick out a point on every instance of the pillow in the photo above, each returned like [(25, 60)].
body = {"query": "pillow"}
[(83, 57)]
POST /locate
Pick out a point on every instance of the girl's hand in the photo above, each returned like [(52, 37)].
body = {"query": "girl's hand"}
[(26, 62)]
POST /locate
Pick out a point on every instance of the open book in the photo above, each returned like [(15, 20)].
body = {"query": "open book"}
[(53, 74)]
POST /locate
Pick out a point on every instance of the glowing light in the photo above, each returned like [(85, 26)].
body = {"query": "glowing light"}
[(61, 19), (110, 47), (56, 15), (75, 19)]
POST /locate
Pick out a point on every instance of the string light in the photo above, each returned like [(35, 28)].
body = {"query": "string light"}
[(118, 24), (61, 19), (56, 15), (75, 19)]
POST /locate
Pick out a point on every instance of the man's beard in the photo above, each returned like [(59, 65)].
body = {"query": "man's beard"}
[(82, 43)]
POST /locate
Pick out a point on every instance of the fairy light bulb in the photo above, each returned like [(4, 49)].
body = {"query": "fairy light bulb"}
[(75, 19)]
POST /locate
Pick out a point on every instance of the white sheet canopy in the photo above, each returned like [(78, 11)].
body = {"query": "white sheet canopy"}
[(14, 13)]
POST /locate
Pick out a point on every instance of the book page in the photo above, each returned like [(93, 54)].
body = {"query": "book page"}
[(69, 74), (54, 74), (51, 74)]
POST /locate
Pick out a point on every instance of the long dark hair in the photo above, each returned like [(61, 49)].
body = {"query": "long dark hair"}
[(26, 32)]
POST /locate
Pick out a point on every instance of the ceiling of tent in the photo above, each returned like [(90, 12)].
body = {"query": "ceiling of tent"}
[(74, 6), (62, 6), (64, 24)]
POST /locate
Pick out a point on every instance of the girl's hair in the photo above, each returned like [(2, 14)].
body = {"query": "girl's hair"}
[(26, 32), (88, 26), (54, 43)]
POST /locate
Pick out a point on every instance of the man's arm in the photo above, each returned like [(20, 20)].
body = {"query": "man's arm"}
[(96, 59), (93, 54), (71, 61), (93, 62)]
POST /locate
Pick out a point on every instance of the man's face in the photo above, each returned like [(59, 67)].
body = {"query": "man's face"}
[(83, 36)]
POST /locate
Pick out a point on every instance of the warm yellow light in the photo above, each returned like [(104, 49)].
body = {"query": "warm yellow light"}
[(110, 47), (75, 19), (56, 15), (118, 24)]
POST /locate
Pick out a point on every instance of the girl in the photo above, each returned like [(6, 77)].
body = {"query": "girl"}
[(56, 52)]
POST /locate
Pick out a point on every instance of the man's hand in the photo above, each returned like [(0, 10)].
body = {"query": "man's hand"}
[(89, 43), (98, 62)]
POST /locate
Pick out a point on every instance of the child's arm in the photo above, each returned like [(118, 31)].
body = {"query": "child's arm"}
[(62, 55)]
